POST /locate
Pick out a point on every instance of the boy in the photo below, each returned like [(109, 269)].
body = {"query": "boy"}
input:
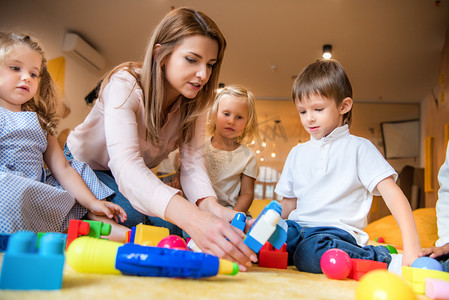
[(328, 183)]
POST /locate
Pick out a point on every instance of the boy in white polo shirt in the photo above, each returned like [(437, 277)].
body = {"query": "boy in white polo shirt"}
[(328, 183)]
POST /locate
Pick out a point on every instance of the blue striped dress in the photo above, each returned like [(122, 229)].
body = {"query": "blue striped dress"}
[(30, 196)]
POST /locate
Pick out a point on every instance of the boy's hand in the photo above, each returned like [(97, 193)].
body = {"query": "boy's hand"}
[(435, 252), (109, 209)]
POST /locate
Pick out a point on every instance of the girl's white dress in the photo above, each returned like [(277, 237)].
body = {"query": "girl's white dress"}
[(30, 197)]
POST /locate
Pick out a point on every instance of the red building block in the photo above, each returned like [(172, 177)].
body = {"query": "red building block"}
[(362, 266), (273, 258), (77, 228)]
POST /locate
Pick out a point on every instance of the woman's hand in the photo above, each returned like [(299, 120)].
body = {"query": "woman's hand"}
[(106, 208), (211, 233)]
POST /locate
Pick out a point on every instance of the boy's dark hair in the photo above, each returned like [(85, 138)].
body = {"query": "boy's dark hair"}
[(326, 78)]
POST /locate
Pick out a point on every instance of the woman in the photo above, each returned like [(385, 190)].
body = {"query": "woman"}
[(145, 111)]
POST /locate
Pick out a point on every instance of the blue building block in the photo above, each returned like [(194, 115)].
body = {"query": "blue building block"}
[(25, 267), (239, 221), (133, 235), (4, 237), (268, 227)]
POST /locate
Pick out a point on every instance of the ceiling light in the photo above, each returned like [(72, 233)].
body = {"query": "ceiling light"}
[(327, 51)]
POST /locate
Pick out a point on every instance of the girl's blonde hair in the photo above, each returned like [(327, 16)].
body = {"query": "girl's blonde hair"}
[(176, 26), (251, 130), (46, 102)]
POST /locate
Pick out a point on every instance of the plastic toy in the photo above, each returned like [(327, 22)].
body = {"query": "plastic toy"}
[(89, 255), (416, 277), (148, 235), (76, 229), (379, 240), (239, 221), (173, 242), (427, 263), (381, 284), (128, 236), (27, 268), (273, 258), (4, 241), (391, 249), (268, 227), (362, 266), (192, 246), (336, 264), (437, 289), (98, 229)]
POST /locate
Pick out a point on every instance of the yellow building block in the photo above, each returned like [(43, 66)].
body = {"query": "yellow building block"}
[(416, 277), (147, 235)]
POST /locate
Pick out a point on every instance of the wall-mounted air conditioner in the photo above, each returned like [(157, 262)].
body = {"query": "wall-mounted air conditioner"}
[(75, 46)]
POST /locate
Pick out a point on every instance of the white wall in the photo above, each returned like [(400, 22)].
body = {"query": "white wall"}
[(79, 80)]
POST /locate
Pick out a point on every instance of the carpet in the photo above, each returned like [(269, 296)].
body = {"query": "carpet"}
[(256, 283)]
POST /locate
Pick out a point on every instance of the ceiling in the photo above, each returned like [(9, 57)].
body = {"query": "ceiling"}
[(390, 49)]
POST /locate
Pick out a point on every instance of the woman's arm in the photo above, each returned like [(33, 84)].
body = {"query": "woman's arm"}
[(246, 194), (72, 182), (402, 213)]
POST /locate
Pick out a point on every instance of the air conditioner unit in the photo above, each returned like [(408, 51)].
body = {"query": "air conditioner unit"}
[(75, 46)]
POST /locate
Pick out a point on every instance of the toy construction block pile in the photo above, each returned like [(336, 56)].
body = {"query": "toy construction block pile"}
[(36, 261)]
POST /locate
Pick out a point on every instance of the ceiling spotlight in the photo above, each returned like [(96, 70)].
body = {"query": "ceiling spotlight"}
[(327, 51)]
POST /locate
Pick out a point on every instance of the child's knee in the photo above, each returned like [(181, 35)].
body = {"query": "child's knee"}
[(307, 259)]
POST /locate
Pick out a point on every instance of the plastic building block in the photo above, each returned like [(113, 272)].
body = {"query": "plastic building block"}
[(273, 258), (268, 227), (128, 236), (437, 289), (132, 235), (427, 263), (239, 221), (27, 268), (98, 229), (336, 264), (192, 246), (173, 242), (362, 266), (148, 235), (391, 249), (381, 284), (76, 229), (90, 255), (416, 277), (4, 241)]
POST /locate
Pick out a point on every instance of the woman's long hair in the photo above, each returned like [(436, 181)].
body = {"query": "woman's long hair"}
[(177, 25)]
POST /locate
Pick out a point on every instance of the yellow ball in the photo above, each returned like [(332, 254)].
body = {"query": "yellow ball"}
[(383, 285)]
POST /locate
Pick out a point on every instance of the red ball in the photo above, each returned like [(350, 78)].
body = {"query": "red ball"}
[(380, 240), (173, 242), (336, 264)]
